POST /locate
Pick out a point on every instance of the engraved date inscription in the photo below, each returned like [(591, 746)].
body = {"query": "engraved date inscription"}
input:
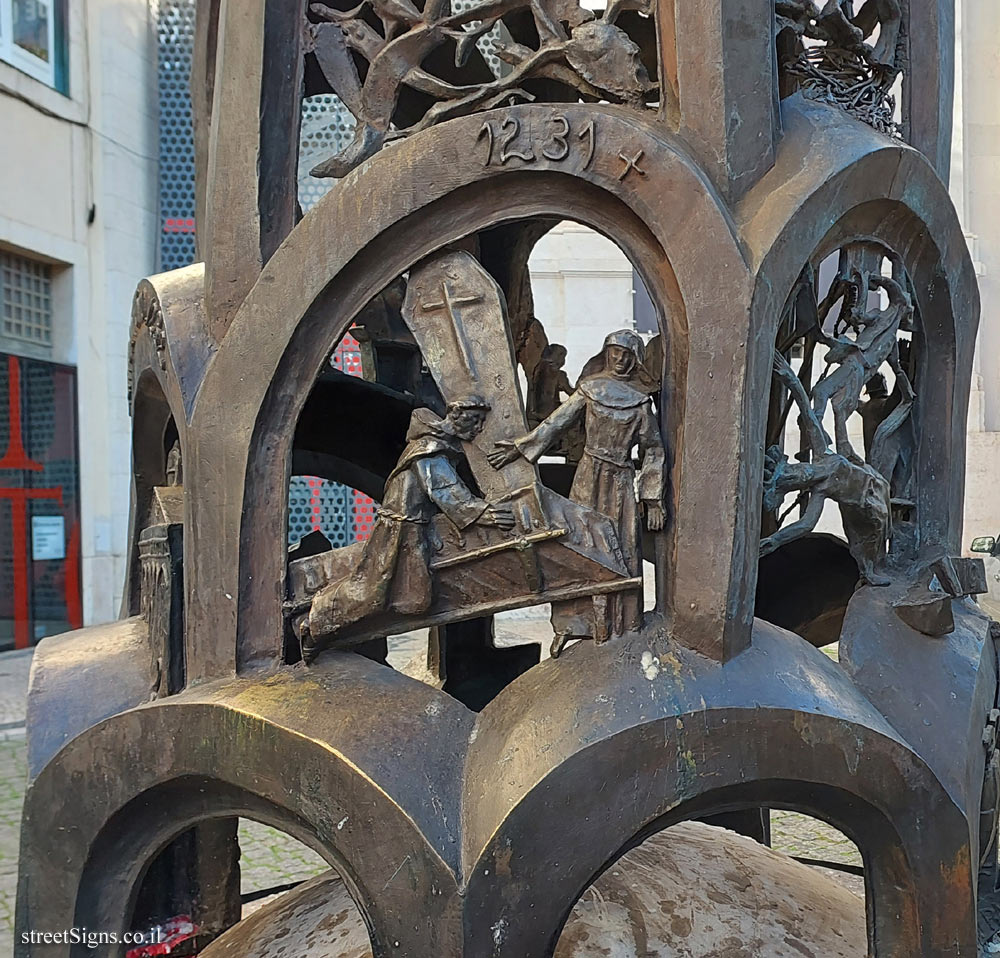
[(505, 141)]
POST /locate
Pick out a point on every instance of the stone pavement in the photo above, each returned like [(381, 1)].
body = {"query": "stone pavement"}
[(13, 771), (14, 668), (269, 858)]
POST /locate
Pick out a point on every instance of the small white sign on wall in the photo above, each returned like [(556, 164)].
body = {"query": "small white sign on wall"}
[(48, 537)]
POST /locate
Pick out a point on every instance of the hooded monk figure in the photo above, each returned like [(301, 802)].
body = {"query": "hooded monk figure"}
[(617, 414)]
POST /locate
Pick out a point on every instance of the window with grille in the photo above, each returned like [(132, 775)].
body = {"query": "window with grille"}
[(25, 299)]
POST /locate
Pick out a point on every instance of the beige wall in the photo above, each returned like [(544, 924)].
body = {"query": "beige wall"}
[(975, 187), (582, 287), (63, 158)]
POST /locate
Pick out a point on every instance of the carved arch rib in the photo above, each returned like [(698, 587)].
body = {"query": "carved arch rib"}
[(841, 181), (331, 253)]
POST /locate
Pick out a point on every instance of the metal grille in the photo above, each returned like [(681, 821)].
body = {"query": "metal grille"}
[(327, 128), (175, 42), (347, 356), (26, 299), (487, 43), (342, 514), (318, 504)]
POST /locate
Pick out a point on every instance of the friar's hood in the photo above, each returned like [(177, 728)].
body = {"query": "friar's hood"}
[(640, 377), (428, 435), (616, 393)]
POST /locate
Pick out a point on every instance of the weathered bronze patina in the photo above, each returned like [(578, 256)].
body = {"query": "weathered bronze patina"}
[(774, 222)]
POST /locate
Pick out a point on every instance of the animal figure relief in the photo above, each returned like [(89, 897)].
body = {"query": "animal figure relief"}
[(595, 58)]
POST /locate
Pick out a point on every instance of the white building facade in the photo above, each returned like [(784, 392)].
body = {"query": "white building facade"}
[(78, 228), (975, 188)]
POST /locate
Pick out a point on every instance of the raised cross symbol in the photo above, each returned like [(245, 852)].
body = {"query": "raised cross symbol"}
[(451, 304), (631, 163)]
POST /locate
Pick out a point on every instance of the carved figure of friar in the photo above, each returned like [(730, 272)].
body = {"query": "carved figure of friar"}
[(617, 414), (393, 573)]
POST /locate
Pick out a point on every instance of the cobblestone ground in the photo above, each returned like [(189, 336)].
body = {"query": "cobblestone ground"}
[(14, 669), (270, 858), (803, 837), (13, 771)]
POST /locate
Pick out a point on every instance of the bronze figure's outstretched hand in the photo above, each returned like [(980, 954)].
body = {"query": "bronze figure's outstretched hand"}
[(500, 516), (504, 453), (654, 516)]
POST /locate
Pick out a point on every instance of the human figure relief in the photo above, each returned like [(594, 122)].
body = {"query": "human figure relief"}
[(860, 491), (617, 414), (548, 382), (857, 360), (175, 468), (393, 573)]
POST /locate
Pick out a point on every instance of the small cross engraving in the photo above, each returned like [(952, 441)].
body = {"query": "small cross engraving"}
[(631, 163)]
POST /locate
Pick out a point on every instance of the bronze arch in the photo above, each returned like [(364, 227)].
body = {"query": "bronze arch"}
[(87, 868), (151, 414), (192, 800), (318, 267), (834, 174), (397, 250), (903, 862)]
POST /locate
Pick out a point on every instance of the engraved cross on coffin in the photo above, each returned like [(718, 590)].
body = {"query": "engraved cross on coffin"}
[(458, 316), (557, 550)]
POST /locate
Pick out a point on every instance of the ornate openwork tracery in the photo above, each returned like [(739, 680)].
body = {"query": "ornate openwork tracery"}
[(845, 338), (847, 53), (400, 69)]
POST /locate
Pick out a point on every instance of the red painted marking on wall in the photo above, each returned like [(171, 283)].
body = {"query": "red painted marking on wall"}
[(71, 583), (15, 457), (18, 499)]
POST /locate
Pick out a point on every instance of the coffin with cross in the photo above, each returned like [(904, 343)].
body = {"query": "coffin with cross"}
[(558, 550)]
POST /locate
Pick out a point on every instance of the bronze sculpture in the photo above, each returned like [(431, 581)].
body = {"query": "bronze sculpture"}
[(729, 170), (548, 382), (437, 548), (616, 409), (846, 63), (860, 490), (859, 359), (394, 565), (594, 57)]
